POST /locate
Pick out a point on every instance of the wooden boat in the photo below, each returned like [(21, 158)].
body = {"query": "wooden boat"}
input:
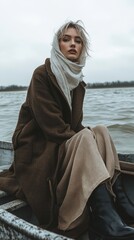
[(16, 218)]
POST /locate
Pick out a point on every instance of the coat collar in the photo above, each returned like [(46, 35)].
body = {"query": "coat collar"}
[(78, 95), (54, 81)]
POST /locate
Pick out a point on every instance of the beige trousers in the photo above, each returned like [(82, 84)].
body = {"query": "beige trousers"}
[(90, 159)]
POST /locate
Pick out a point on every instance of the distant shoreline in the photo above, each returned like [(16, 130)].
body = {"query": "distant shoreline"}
[(116, 84), (13, 88)]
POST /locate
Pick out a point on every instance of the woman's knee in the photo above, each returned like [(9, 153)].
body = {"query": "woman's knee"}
[(86, 134), (100, 128)]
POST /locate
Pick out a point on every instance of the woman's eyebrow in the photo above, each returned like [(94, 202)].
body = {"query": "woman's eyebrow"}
[(67, 35)]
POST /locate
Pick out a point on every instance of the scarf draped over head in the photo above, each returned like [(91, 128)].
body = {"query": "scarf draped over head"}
[(68, 74)]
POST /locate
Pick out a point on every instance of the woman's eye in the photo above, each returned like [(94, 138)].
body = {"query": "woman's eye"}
[(65, 39), (78, 40)]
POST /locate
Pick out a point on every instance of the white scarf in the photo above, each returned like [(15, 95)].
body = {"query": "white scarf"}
[(68, 74)]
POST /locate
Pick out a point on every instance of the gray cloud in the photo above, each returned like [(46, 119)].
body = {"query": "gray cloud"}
[(27, 29)]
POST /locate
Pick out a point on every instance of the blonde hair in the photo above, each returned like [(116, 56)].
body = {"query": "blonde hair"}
[(81, 31)]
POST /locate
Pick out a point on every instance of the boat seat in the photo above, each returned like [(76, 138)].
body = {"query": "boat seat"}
[(9, 203), (13, 205)]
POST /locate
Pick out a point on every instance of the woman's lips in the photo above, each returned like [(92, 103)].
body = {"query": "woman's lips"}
[(72, 51)]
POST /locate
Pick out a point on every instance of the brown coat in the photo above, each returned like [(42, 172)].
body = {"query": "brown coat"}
[(45, 122)]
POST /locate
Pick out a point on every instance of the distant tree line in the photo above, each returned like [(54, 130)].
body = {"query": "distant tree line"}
[(13, 88), (111, 84), (89, 85)]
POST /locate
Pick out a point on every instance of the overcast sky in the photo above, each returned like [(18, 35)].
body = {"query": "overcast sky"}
[(27, 28)]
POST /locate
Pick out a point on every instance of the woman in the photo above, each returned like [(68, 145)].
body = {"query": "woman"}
[(63, 170)]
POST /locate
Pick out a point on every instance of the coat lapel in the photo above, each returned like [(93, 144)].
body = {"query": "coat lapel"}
[(77, 103), (78, 97), (55, 83)]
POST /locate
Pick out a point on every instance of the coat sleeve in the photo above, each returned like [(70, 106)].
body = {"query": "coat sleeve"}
[(47, 111)]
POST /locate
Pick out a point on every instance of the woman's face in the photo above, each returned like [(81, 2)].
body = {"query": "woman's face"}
[(71, 44)]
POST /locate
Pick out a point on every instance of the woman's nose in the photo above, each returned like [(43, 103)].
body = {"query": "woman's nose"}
[(72, 42)]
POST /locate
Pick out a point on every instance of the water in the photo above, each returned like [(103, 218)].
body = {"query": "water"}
[(112, 107)]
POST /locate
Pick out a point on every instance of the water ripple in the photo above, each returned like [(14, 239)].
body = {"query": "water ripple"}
[(111, 107)]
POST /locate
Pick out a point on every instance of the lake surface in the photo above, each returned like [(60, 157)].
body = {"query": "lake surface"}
[(113, 107)]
